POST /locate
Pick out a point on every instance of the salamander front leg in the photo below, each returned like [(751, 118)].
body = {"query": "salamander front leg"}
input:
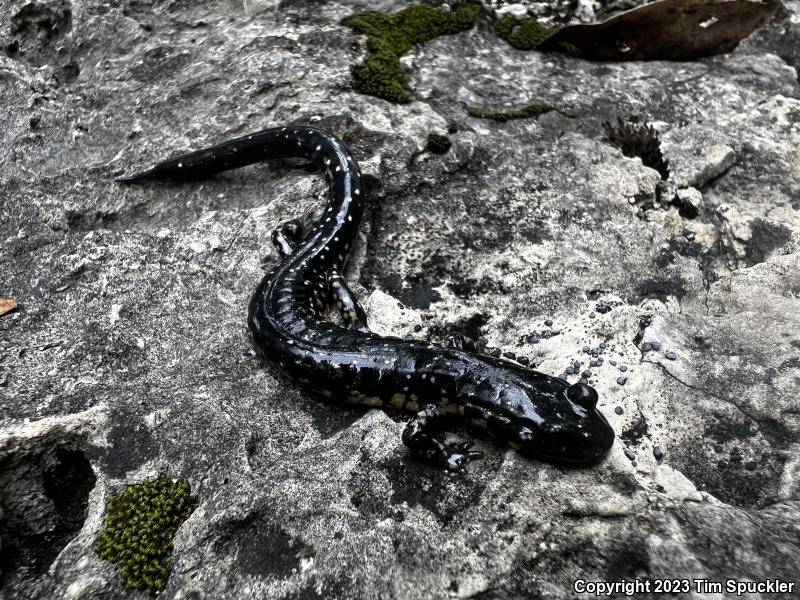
[(286, 237), (346, 303), (421, 437)]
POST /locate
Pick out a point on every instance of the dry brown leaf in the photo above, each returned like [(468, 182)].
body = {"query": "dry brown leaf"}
[(6, 306), (669, 30)]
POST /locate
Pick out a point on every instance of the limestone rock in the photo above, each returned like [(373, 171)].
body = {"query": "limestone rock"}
[(128, 352)]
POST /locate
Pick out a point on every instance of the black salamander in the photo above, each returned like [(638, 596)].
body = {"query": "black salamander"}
[(543, 417)]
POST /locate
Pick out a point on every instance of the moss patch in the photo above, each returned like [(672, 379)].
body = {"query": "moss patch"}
[(534, 109), (524, 34), (529, 34), (392, 36), (140, 525)]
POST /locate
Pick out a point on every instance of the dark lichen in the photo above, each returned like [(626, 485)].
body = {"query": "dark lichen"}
[(438, 143), (140, 525), (391, 36), (638, 139), (534, 109)]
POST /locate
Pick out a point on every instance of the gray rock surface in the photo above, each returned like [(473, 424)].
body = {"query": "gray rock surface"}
[(129, 354)]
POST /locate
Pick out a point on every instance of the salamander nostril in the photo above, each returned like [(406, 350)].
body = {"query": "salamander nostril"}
[(582, 395)]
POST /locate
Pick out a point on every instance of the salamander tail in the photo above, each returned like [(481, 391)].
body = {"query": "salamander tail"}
[(135, 178)]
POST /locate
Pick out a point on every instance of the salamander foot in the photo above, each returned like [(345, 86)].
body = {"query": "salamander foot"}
[(420, 436), (345, 301)]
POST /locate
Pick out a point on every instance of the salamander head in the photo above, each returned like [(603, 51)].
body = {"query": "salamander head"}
[(557, 422)]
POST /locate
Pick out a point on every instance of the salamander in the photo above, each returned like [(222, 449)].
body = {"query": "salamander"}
[(541, 416)]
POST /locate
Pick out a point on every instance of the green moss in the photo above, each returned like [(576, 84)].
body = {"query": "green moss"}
[(391, 36), (534, 109), (524, 34), (529, 34), (140, 525)]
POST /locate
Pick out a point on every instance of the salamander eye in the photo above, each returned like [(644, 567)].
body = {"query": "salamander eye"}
[(582, 395)]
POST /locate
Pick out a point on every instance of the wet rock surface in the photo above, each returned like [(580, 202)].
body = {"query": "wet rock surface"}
[(128, 353)]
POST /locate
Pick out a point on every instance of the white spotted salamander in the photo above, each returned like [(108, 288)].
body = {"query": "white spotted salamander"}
[(543, 417)]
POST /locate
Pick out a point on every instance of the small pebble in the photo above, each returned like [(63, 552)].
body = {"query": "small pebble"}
[(623, 368), (658, 454), (586, 374), (671, 355), (647, 346), (656, 345), (494, 352), (563, 376), (535, 339), (613, 363), (510, 355), (595, 353), (621, 380), (591, 315), (593, 363), (569, 371), (586, 349), (721, 413), (600, 360), (630, 454), (634, 463), (549, 322), (583, 380), (603, 345), (417, 327), (618, 410), (602, 308), (524, 360)]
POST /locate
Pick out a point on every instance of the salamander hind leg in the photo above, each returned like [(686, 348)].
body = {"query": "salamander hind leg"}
[(346, 303), (421, 436), (286, 236)]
